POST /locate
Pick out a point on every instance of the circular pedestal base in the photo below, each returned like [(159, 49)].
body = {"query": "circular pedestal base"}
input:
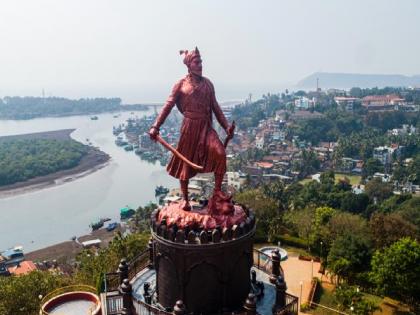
[(208, 278)]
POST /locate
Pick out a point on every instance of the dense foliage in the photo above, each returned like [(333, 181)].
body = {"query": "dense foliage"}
[(32, 107), (346, 230), (23, 159), (396, 270), (92, 266), (20, 295)]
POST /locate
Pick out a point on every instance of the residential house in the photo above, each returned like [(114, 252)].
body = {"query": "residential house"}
[(346, 103), (382, 102)]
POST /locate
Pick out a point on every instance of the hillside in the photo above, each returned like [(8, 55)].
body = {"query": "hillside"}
[(349, 80)]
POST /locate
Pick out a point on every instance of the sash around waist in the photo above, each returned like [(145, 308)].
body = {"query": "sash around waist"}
[(196, 115)]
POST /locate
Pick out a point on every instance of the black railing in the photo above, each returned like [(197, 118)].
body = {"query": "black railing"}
[(142, 308), (264, 262), (114, 303), (112, 281), (114, 300), (292, 306), (137, 264)]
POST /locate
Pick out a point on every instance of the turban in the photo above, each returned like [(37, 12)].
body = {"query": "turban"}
[(189, 56)]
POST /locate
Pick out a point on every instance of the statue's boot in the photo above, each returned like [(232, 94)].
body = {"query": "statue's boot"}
[(185, 205)]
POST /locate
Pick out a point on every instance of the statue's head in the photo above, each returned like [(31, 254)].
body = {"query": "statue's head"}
[(192, 60)]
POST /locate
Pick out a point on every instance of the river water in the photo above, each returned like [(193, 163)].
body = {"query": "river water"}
[(40, 218)]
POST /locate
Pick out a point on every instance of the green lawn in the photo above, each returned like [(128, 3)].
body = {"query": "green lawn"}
[(324, 296), (354, 179)]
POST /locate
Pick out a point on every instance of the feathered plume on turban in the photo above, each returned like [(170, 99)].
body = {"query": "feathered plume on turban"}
[(189, 55)]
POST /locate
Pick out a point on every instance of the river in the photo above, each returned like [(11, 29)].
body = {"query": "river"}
[(41, 218)]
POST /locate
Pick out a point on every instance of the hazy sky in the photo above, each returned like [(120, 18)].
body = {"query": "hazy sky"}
[(129, 48)]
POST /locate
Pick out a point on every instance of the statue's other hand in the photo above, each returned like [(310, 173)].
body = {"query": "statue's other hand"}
[(153, 133), (231, 130)]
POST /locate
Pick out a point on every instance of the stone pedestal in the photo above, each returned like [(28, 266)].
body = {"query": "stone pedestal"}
[(209, 270)]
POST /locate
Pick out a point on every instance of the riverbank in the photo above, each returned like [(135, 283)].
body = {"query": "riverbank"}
[(66, 252), (94, 160)]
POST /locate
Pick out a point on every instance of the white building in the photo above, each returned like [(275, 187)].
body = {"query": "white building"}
[(304, 103), (346, 103), (236, 179), (259, 142), (383, 154)]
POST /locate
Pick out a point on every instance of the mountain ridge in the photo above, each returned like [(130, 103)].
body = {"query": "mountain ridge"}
[(349, 80)]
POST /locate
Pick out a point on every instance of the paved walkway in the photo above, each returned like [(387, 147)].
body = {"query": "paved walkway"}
[(297, 271)]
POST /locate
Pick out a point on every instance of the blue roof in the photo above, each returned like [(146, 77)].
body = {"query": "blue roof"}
[(11, 251)]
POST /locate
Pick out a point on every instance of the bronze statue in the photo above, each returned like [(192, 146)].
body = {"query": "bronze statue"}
[(199, 148)]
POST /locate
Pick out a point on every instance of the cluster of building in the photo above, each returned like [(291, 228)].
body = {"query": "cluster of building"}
[(12, 262), (391, 102)]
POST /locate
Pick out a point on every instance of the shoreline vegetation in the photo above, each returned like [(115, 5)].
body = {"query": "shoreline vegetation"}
[(29, 107), (93, 160)]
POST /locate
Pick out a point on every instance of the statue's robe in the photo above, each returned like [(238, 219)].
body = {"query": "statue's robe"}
[(199, 142)]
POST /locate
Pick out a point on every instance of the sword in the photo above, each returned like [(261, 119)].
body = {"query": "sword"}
[(230, 136), (177, 154)]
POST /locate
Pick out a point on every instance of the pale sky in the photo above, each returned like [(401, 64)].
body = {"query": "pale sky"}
[(129, 48)]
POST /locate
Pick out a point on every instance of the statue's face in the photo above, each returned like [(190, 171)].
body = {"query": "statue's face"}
[(196, 66)]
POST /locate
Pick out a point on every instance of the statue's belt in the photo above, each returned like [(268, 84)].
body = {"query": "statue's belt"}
[(196, 115)]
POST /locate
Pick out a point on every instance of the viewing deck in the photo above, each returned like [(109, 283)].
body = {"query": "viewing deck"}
[(134, 286)]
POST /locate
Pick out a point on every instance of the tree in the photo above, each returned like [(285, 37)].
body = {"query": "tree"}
[(302, 222), (396, 271), (20, 295), (349, 296), (377, 190), (276, 191), (327, 178), (343, 223), (265, 208), (349, 254), (372, 166), (91, 266), (387, 229)]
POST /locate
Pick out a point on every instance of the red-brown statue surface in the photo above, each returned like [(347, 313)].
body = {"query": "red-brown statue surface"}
[(199, 143)]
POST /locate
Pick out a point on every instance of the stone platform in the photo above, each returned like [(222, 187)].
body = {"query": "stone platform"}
[(203, 260)]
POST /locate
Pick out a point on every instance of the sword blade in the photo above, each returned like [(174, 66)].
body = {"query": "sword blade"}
[(177, 154)]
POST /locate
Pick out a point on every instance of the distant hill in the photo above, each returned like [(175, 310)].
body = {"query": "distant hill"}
[(349, 80)]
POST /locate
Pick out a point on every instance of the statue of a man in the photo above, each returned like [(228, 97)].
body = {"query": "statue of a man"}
[(195, 98)]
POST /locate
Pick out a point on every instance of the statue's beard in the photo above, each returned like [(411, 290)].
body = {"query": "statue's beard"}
[(198, 73)]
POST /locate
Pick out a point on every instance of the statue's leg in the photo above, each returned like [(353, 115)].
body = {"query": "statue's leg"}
[(218, 180), (184, 188), (217, 155)]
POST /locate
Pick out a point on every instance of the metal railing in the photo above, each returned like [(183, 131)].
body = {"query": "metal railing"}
[(112, 281), (292, 306), (263, 262), (138, 263), (114, 305), (142, 308)]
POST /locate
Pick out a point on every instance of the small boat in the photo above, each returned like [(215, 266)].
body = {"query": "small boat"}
[(111, 226), (120, 142), (94, 118), (126, 212), (128, 147), (96, 225)]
